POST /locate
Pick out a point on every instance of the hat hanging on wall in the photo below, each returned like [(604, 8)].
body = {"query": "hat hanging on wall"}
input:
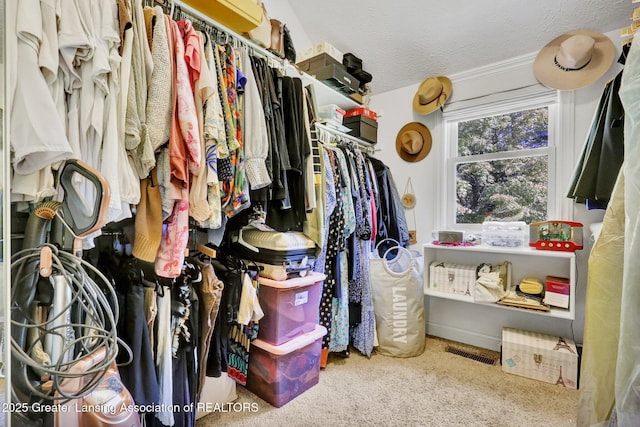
[(408, 198), (431, 94), (413, 142), (574, 60)]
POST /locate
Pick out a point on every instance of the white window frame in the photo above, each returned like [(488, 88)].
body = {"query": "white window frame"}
[(560, 150)]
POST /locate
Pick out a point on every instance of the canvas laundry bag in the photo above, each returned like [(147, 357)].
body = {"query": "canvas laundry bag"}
[(398, 301)]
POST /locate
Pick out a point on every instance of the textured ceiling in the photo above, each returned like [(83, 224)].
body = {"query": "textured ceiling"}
[(402, 42)]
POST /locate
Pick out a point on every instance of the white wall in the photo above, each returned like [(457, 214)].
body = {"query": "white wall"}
[(458, 320)]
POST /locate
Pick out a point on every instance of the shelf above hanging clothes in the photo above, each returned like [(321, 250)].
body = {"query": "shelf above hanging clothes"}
[(324, 94)]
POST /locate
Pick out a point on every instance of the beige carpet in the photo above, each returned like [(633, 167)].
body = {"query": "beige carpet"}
[(435, 389)]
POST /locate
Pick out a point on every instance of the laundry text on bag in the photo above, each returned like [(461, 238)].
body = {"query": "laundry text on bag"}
[(399, 315)]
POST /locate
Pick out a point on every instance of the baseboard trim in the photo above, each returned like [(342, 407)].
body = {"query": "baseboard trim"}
[(464, 336)]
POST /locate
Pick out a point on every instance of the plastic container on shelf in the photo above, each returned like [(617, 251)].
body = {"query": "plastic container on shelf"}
[(291, 307), (505, 234), (278, 374), (332, 113)]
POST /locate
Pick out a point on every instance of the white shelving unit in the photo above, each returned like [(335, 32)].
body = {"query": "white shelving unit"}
[(324, 93), (525, 262)]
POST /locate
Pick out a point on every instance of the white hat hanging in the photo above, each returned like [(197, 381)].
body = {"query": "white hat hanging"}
[(574, 60)]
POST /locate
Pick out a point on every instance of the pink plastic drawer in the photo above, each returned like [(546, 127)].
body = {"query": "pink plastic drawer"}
[(291, 307), (278, 374)]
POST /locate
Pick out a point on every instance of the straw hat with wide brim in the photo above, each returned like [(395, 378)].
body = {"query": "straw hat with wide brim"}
[(574, 60), (413, 142), (431, 94)]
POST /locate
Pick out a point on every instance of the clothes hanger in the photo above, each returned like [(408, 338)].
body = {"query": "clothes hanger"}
[(206, 250)]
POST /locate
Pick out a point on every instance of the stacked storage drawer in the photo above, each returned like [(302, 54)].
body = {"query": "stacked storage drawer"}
[(285, 359)]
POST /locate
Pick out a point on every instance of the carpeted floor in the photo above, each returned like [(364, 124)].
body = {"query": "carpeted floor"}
[(437, 388)]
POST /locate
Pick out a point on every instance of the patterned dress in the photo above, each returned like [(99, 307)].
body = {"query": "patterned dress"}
[(335, 243), (363, 334), (340, 310)]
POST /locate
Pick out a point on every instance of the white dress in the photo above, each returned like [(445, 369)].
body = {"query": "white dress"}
[(124, 183), (137, 140), (130, 184)]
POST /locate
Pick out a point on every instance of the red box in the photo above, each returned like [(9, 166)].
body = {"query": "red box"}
[(362, 112), (557, 291), (278, 374), (291, 307)]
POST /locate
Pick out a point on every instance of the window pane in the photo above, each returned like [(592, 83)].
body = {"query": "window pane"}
[(503, 190), (507, 132)]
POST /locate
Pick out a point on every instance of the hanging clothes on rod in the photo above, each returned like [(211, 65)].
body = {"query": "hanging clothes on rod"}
[(227, 34), (343, 137)]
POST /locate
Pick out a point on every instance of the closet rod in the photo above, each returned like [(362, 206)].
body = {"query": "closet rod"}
[(365, 146), (189, 10)]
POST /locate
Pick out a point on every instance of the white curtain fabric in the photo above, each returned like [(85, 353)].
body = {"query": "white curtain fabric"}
[(602, 316), (627, 385)]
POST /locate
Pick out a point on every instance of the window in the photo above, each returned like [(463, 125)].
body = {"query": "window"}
[(501, 163)]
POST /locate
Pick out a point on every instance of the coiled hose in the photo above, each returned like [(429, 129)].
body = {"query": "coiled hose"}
[(95, 323), (92, 319)]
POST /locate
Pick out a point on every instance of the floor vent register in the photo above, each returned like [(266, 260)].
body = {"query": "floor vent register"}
[(483, 358)]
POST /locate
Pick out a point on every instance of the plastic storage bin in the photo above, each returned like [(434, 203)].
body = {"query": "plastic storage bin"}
[(505, 234), (331, 112), (291, 307), (278, 374)]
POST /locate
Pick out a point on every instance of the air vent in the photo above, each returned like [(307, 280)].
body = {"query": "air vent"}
[(483, 358)]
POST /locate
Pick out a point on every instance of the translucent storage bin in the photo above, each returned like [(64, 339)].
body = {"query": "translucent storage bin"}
[(505, 234), (278, 374), (291, 307), (332, 113)]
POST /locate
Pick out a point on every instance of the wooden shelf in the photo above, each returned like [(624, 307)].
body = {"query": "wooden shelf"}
[(525, 262)]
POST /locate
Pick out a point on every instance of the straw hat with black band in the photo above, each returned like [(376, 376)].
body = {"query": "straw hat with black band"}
[(574, 60), (413, 142), (431, 94)]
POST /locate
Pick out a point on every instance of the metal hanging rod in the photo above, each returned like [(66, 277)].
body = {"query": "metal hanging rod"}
[(189, 10), (360, 144)]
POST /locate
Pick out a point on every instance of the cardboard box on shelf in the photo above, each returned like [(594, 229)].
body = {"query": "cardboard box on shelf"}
[(362, 127), (318, 62), (237, 15), (362, 111), (549, 358), (357, 97), (452, 278), (322, 47), (557, 291)]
